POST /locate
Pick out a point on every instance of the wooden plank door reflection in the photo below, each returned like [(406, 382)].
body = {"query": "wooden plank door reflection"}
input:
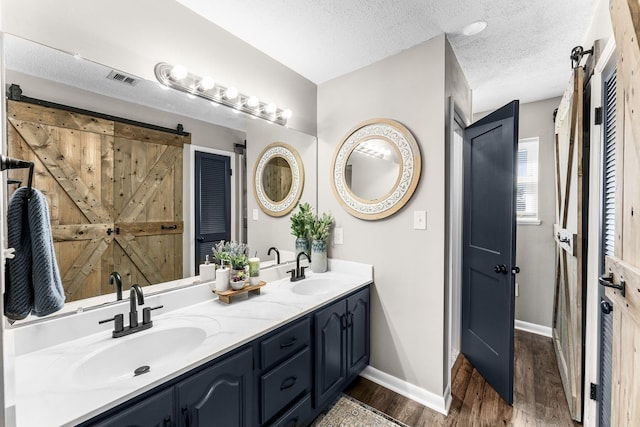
[(136, 231)]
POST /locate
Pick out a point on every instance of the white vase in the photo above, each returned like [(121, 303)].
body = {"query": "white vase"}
[(222, 279), (318, 256)]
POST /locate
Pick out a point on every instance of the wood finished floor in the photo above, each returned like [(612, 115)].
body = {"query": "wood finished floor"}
[(538, 396)]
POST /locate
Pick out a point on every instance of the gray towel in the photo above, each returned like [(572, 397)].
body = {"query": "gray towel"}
[(33, 280)]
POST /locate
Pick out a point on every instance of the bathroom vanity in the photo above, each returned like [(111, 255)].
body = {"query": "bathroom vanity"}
[(279, 358)]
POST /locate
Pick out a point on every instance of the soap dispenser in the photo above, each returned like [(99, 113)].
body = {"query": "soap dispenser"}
[(207, 271)]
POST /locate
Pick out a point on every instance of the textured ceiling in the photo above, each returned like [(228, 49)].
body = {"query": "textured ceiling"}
[(523, 54)]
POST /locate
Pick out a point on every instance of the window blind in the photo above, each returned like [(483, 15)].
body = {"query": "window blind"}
[(527, 184)]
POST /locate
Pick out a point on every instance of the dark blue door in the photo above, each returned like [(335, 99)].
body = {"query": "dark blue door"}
[(212, 203), (489, 242)]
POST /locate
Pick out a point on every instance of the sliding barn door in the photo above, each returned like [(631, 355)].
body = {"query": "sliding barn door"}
[(147, 204), (568, 308), (114, 193), (624, 266)]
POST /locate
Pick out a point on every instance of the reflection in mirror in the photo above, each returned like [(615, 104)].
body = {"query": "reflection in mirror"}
[(52, 75), (277, 179), (372, 169), (376, 169)]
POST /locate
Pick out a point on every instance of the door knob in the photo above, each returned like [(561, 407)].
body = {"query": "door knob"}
[(606, 307), (200, 239), (500, 269)]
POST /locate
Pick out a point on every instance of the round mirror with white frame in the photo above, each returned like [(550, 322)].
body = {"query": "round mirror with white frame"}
[(278, 179), (376, 169)]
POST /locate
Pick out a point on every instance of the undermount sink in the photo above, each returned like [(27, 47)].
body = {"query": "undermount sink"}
[(315, 285), (137, 354)]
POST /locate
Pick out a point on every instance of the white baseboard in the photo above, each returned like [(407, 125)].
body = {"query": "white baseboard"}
[(534, 328), (408, 390)]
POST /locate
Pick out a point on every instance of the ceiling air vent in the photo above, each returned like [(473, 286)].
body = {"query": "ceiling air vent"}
[(122, 78)]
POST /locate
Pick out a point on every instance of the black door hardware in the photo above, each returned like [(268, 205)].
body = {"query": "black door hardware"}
[(515, 270), (500, 269), (200, 239), (115, 231), (607, 280), (606, 307), (169, 227)]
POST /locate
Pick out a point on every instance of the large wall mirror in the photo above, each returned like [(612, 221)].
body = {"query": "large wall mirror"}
[(278, 179), (52, 75), (376, 169)]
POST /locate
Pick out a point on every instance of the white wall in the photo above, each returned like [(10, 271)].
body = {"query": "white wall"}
[(133, 36), (407, 317)]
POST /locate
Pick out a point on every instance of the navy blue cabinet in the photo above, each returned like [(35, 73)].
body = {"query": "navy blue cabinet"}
[(219, 395), (341, 345), (155, 411), (321, 352)]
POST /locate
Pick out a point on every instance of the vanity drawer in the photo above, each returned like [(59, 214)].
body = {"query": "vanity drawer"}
[(282, 385), (296, 416), (285, 343)]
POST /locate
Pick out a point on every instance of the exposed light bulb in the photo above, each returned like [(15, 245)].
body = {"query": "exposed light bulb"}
[(271, 108), (253, 101), (286, 114), (231, 93), (179, 72), (207, 83)]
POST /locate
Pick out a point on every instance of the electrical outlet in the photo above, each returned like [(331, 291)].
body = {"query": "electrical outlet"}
[(338, 236), (255, 214), (420, 220)]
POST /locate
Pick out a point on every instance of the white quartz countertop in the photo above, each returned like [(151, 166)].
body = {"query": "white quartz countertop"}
[(53, 388)]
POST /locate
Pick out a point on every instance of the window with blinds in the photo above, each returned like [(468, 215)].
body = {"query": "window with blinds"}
[(609, 166), (527, 184)]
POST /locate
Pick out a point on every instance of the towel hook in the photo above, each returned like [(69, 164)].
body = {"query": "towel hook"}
[(11, 163)]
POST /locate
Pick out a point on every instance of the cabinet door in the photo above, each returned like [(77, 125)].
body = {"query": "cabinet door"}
[(331, 351), (218, 396), (155, 411), (358, 332)]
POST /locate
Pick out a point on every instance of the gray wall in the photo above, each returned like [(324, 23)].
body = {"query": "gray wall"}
[(408, 297), (270, 231), (133, 36), (535, 249)]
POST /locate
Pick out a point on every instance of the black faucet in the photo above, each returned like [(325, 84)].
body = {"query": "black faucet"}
[(114, 277), (136, 297), (273, 248), (134, 293), (298, 273)]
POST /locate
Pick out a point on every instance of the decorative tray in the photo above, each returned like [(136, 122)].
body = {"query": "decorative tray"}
[(225, 296)]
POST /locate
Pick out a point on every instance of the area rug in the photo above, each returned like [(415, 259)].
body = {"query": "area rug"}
[(349, 412)]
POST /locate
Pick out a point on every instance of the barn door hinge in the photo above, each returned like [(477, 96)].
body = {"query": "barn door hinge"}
[(230, 172), (593, 393), (598, 116)]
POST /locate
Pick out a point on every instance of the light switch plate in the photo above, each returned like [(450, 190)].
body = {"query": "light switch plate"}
[(338, 236), (420, 220), (255, 214)]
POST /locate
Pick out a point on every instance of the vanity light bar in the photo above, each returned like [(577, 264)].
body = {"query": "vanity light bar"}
[(180, 79)]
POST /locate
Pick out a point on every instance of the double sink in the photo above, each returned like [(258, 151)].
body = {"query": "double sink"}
[(138, 353)]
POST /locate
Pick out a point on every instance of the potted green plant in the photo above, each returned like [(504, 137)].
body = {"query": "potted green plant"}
[(300, 223), (319, 232), (235, 255)]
